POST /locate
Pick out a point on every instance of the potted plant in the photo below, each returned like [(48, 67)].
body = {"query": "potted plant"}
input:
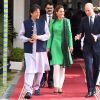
[(16, 59)]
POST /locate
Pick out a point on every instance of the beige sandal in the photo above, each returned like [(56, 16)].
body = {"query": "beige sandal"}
[(60, 90), (56, 90)]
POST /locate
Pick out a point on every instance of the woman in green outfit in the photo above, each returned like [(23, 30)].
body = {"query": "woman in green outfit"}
[(55, 46)]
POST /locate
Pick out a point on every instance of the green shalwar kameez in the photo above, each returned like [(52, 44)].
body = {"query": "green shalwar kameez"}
[(55, 41)]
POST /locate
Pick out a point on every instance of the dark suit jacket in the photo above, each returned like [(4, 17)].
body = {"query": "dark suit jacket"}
[(89, 40), (43, 17)]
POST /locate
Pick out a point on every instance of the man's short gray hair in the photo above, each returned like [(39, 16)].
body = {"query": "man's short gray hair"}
[(90, 4)]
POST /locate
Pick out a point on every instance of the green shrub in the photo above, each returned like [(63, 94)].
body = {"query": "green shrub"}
[(17, 54), (11, 36)]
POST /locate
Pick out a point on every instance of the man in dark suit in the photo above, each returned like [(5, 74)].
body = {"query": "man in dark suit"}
[(49, 13), (90, 28)]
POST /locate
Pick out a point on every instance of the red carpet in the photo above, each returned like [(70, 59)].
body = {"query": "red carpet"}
[(74, 87)]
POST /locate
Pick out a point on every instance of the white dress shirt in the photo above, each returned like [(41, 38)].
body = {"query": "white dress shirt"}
[(48, 18)]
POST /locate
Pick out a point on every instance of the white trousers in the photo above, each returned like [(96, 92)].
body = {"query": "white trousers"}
[(32, 80), (58, 76)]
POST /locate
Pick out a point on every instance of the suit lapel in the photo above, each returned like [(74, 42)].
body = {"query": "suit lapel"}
[(87, 23), (94, 21)]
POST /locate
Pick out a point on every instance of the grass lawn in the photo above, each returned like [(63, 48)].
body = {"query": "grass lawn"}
[(10, 77)]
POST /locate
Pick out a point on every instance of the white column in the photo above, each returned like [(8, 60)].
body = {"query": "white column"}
[(5, 42), (18, 17)]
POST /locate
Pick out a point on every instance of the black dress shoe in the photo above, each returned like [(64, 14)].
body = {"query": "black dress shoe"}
[(50, 85), (94, 91), (90, 94), (42, 84), (37, 92), (28, 95)]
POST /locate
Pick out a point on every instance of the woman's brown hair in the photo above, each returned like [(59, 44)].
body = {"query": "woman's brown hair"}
[(56, 10)]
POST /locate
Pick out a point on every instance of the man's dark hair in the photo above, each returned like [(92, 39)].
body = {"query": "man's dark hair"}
[(34, 7), (48, 3)]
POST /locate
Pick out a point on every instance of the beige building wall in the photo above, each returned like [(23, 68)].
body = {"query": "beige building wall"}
[(21, 12), (18, 17)]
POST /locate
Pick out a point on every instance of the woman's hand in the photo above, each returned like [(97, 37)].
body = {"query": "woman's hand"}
[(71, 49)]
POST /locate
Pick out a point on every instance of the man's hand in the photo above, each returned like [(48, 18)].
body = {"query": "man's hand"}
[(95, 37), (34, 37), (77, 37), (30, 40)]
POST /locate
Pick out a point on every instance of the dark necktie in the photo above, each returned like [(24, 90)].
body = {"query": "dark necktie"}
[(91, 23)]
